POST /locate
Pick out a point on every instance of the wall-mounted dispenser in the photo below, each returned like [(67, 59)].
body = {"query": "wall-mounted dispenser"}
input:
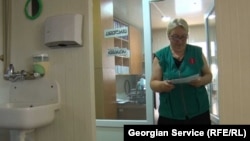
[(40, 64), (63, 31)]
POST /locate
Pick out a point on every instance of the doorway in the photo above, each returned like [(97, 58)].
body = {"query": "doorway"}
[(117, 80)]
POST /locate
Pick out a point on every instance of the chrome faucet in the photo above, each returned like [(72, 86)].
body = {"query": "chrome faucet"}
[(14, 76), (11, 69)]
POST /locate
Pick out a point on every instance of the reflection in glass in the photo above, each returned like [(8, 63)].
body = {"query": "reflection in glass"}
[(124, 94), (130, 96), (214, 98)]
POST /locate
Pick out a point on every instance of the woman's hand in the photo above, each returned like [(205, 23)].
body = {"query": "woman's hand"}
[(206, 75), (197, 82), (166, 86)]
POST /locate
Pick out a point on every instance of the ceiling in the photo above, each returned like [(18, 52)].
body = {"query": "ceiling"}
[(130, 11)]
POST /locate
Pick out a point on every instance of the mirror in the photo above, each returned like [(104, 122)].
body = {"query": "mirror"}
[(6, 16)]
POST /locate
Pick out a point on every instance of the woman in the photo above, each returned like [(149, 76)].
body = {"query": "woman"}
[(187, 102)]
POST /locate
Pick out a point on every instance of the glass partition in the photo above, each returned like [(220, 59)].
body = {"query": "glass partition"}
[(123, 95), (212, 53)]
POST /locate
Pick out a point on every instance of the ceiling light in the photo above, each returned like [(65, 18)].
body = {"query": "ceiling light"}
[(183, 7), (165, 18)]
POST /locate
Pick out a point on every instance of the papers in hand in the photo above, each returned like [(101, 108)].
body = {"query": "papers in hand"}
[(184, 80)]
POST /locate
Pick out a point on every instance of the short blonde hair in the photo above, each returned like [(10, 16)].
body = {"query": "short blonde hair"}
[(175, 23)]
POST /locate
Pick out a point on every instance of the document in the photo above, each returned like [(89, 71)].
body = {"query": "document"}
[(184, 80)]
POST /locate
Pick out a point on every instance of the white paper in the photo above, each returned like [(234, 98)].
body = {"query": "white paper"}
[(184, 80)]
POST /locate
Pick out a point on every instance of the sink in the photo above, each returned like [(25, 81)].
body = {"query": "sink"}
[(26, 116), (32, 104)]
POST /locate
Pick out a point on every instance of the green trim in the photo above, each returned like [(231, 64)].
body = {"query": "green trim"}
[(28, 15)]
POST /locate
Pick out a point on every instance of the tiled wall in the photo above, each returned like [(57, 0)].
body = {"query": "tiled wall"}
[(71, 67)]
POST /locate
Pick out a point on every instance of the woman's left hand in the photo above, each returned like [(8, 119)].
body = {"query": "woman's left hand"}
[(197, 82)]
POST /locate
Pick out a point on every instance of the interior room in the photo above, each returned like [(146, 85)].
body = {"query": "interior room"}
[(94, 89), (130, 69)]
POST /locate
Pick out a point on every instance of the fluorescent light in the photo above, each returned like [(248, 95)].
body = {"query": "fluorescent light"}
[(183, 7)]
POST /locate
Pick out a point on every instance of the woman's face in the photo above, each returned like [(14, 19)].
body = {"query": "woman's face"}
[(178, 38)]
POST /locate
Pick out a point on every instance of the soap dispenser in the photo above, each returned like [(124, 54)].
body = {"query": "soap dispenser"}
[(40, 64)]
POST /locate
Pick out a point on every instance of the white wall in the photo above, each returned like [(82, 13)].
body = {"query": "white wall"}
[(71, 67)]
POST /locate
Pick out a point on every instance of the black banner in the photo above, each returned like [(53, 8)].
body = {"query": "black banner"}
[(213, 132)]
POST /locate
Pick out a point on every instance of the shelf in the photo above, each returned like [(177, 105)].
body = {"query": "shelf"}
[(132, 64)]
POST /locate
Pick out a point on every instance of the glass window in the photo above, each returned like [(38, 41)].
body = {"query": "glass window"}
[(120, 66)]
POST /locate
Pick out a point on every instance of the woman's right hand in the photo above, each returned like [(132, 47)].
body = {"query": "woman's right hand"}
[(167, 86)]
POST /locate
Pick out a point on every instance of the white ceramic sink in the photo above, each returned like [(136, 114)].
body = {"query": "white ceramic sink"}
[(32, 104), (23, 116)]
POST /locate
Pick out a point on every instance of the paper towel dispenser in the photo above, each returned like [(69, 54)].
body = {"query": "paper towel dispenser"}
[(63, 31)]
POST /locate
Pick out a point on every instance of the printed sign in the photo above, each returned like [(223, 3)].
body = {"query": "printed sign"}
[(116, 51), (116, 32)]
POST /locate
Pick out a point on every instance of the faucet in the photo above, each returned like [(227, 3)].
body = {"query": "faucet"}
[(11, 69), (14, 76), (9, 72)]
